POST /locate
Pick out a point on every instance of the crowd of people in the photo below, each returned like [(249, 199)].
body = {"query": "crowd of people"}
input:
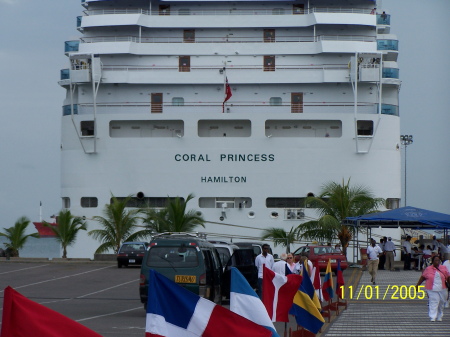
[(435, 273)]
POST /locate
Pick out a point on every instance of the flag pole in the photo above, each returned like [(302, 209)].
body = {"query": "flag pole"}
[(224, 85)]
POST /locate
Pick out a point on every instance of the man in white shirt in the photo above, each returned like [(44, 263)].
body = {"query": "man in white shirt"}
[(279, 267), (407, 251), (263, 259), (389, 250), (373, 253)]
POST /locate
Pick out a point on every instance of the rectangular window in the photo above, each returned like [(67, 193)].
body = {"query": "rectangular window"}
[(184, 64), (87, 128), (66, 202), (189, 36), (275, 101), (178, 101), (157, 100), (296, 102), (164, 9), (365, 128), (285, 202), (147, 202), (269, 63), (269, 35), (89, 202), (298, 9)]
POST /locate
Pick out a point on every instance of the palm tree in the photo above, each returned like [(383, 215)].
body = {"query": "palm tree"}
[(118, 224), (335, 203), (16, 236), (280, 237), (67, 230), (173, 218)]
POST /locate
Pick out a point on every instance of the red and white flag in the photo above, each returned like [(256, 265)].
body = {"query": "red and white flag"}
[(278, 293), (228, 94), (23, 317)]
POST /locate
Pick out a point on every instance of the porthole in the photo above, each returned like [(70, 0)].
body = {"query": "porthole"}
[(251, 214)]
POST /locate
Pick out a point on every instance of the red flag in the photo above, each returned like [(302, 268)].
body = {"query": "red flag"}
[(228, 94), (339, 280), (23, 317), (318, 282), (278, 293)]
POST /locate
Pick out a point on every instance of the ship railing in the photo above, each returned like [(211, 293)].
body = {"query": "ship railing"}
[(229, 39), (227, 11), (230, 67)]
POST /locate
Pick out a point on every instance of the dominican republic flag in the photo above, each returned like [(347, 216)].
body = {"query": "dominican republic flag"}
[(317, 282), (328, 291), (173, 311), (339, 280), (304, 309), (245, 302), (278, 292), (23, 317)]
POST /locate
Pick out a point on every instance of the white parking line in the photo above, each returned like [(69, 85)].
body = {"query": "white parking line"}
[(13, 271), (110, 314), (100, 291), (60, 278)]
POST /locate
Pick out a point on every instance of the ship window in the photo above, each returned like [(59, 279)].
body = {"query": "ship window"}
[(269, 63), (224, 202), (164, 9), (296, 102), (298, 9), (189, 35), (66, 202), (184, 63), (157, 100), (365, 128), (269, 35), (87, 128), (147, 202), (285, 202), (178, 101), (89, 202), (275, 101)]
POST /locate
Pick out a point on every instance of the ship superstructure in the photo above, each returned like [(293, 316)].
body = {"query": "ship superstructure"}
[(250, 105)]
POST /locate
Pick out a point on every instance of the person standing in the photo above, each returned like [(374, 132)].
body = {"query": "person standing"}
[(280, 266), (382, 259), (373, 254), (293, 267), (263, 259), (435, 276), (389, 251), (407, 251)]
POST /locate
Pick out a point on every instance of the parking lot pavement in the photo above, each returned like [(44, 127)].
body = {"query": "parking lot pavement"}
[(99, 296)]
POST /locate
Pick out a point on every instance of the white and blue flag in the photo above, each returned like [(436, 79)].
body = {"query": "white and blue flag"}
[(245, 302)]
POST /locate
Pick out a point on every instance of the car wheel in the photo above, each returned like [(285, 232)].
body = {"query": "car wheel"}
[(119, 265), (145, 306)]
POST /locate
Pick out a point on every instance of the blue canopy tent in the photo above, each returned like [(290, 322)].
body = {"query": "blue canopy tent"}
[(404, 217)]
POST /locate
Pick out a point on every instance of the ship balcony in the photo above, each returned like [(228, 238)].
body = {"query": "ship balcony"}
[(239, 74), (244, 108), (71, 46), (188, 17), (227, 45), (391, 73), (383, 19)]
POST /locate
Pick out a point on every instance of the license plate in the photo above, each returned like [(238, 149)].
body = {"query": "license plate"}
[(333, 261), (131, 261), (185, 279)]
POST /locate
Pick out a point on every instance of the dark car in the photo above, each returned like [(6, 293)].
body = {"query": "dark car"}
[(256, 246), (131, 253), (321, 255)]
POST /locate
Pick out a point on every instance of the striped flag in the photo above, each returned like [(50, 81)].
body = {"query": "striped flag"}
[(328, 291), (339, 279)]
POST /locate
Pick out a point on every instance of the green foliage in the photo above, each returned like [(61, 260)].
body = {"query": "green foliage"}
[(280, 237), (173, 218), (67, 230), (118, 225), (335, 203), (16, 236)]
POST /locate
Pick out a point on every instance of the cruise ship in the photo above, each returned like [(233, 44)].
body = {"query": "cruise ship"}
[(249, 105)]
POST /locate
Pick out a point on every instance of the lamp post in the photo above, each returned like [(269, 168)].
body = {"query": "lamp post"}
[(406, 140)]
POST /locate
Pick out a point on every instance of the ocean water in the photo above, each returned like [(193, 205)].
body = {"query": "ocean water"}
[(43, 248)]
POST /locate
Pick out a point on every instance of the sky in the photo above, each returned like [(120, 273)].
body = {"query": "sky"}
[(32, 53)]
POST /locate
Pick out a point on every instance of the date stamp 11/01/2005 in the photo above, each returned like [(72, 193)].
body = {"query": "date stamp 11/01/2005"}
[(392, 292)]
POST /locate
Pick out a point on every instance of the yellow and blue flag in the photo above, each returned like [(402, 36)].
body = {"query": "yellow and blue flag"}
[(304, 309), (328, 291)]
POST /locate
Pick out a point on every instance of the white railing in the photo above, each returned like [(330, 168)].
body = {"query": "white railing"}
[(229, 39), (227, 11)]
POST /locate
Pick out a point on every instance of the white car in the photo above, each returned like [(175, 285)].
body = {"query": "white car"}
[(225, 250)]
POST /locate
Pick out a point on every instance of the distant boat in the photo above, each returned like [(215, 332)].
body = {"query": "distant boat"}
[(43, 230)]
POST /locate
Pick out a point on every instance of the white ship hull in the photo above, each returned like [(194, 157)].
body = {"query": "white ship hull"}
[(251, 166)]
